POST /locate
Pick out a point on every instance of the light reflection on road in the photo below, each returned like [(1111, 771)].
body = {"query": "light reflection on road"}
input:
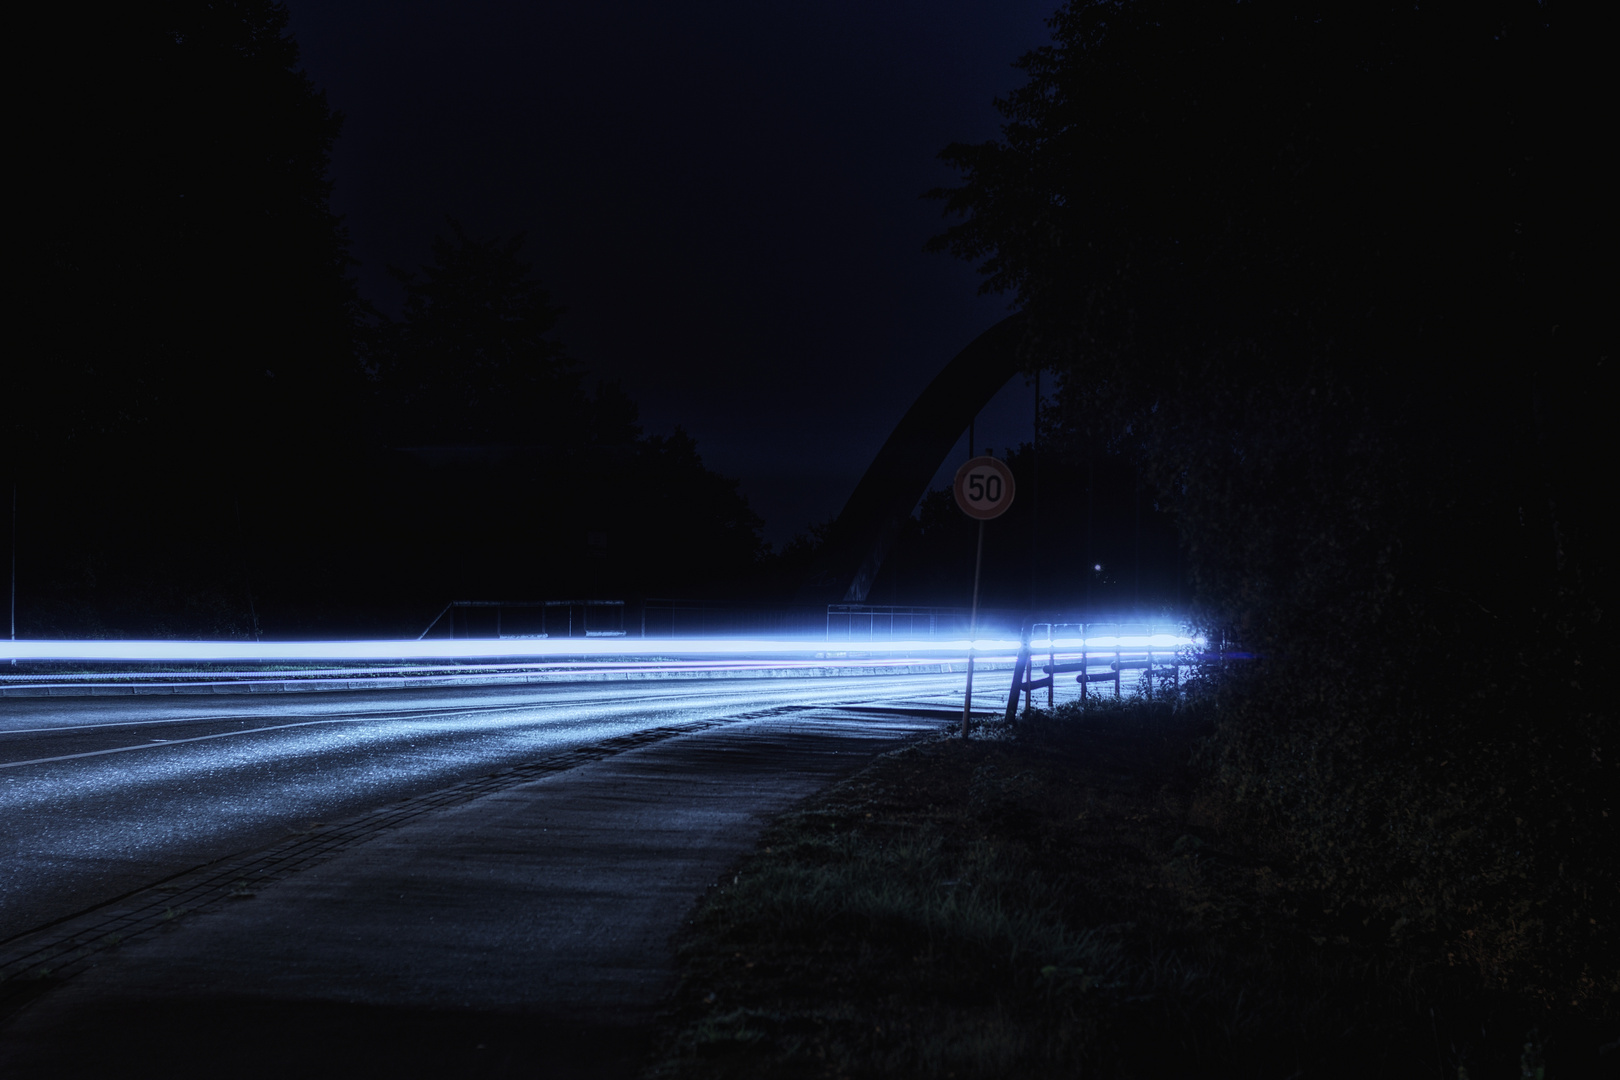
[(141, 788)]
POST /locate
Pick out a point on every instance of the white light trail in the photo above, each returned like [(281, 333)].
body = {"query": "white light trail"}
[(543, 650)]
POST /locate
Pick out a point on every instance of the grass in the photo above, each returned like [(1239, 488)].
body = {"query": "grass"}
[(1042, 901)]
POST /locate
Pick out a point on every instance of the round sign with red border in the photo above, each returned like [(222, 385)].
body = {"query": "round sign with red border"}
[(984, 488)]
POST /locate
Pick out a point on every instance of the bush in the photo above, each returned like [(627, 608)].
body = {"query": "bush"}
[(1475, 823)]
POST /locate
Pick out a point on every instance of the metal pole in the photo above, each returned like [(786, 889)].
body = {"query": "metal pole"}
[(1051, 660), (1085, 667), (14, 563), (1091, 548), (1035, 499), (1023, 668), (973, 630), (1028, 675)]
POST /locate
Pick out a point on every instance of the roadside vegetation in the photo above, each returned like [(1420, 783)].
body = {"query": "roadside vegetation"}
[(1062, 896), (1320, 274)]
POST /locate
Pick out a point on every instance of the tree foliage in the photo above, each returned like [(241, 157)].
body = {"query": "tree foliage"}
[(1329, 273), (190, 272), (474, 358), (203, 428), (182, 349), (507, 479)]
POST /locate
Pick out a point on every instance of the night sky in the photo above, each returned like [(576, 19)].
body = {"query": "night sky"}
[(724, 197)]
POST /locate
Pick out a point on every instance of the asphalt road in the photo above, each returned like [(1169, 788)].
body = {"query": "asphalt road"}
[(525, 931), (100, 796)]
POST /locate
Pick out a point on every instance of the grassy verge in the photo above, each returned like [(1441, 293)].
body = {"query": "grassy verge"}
[(1041, 902)]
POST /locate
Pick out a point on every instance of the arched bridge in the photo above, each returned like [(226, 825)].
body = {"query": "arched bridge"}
[(861, 535)]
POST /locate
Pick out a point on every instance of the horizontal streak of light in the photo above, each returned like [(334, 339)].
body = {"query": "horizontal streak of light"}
[(163, 743), (487, 648), (381, 716), (562, 667), (1108, 644)]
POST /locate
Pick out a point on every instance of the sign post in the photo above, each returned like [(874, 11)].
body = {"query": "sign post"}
[(983, 489)]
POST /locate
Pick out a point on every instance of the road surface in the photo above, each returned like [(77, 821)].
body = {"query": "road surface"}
[(101, 796)]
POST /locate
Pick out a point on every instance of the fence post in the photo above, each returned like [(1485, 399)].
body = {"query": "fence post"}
[(1020, 673), (1085, 668), (1051, 660)]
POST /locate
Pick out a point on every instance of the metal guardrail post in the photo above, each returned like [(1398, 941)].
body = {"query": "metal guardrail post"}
[(1020, 670), (1051, 658), (1026, 649), (1085, 668)]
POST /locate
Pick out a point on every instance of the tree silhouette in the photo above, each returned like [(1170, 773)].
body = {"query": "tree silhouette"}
[(1326, 272), (474, 359), (185, 330), (512, 480), (193, 276)]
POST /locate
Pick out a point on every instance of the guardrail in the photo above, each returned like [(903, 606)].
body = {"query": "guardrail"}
[(1101, 653), (536, 619)]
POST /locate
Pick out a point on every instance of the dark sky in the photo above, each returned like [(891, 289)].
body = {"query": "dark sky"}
[(724, 197)]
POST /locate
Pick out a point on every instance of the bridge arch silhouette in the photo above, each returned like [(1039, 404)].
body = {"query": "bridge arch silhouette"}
[(864, 531)]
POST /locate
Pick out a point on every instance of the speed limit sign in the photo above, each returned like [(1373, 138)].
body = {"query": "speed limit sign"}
[(984, 488)]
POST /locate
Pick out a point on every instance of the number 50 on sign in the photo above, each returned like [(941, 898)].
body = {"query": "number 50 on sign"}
[(984, 488)]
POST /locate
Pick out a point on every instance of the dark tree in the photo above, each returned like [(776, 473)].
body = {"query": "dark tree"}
[(182, 353), (474, 359), (1329, 274), (192, 273), (508, 481)]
